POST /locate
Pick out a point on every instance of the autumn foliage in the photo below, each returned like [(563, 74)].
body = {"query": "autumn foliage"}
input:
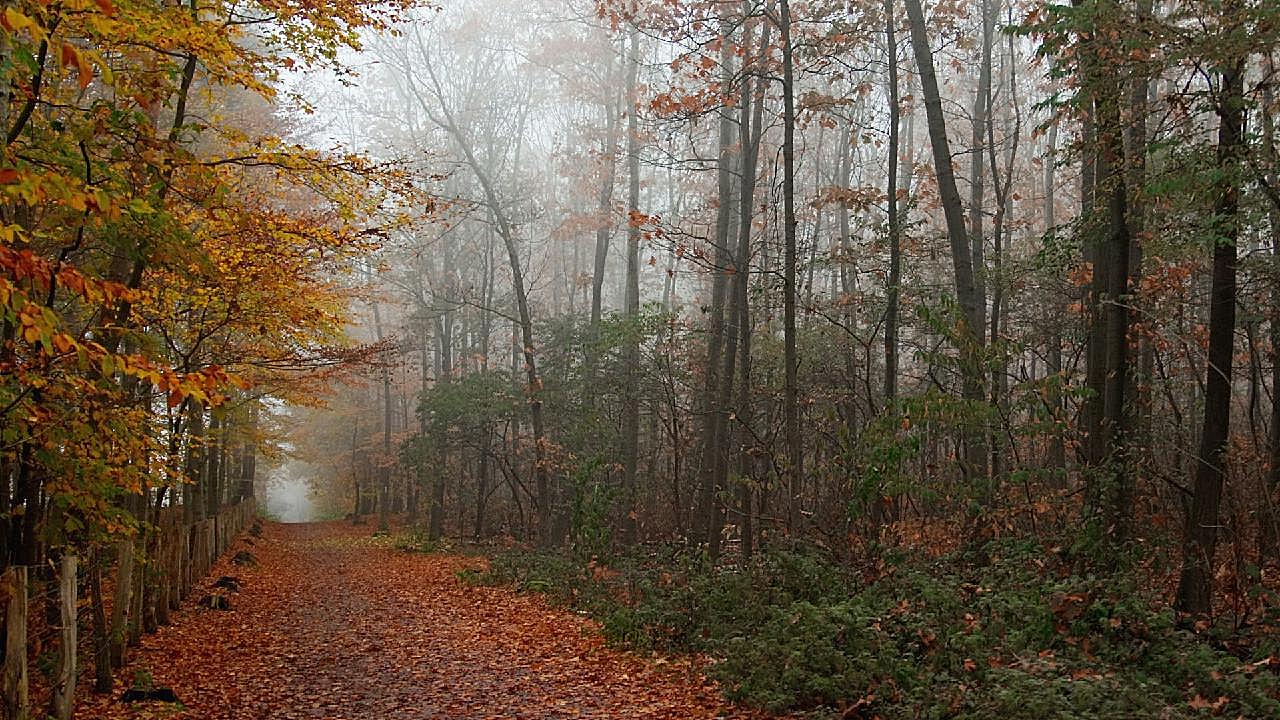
[(167, 260)]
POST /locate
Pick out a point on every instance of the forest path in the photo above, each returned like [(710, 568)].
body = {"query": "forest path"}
[(332, 623)]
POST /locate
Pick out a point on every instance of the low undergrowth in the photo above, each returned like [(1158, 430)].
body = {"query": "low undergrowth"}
[(911, 637)]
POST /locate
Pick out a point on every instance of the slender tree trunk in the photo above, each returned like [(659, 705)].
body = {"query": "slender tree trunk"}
[(193, 503), (710, 466), (249, 452), (791, 361), (811, 261), (1136, 180), (355, 472), (1269, 535), (1195, 586), (420, 480), (847, 279), (444, 343), (1057, 454), (1002, 186), (214, 458), (977, 174), (631, 390), (604, 210), (384, 481), (891, 193), (1109, 482), (751, 124), (482, 489), (966, 288)]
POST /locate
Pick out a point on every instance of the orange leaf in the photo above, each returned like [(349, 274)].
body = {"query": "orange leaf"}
[(84, 69)]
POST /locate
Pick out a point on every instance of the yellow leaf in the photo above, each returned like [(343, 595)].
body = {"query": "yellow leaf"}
[(15, 22)]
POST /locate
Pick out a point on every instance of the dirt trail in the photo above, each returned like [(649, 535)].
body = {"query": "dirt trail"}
[(334, 624)]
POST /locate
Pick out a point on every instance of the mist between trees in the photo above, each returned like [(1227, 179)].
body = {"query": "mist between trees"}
[(735, 272)]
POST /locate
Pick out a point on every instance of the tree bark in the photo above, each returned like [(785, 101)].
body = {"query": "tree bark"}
[(604, 210), (1195, 586), (384, 480), (891, 193), (711, 461), (1269, 533), (444, 345), (749, 134), (970, 338), (977, 174), (1056, 461), (791, 361), (631, 390), (1108, 481), (1002, 187)]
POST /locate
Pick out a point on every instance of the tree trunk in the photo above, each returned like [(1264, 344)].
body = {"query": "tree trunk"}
[(891, 194), (1195, 586), (604, 210), (444, 343), (1056, 461), (194, 467), (791, 362), (1136, 180), (482, 489), (384, 480), (977, 175), (355, 471), (751, 124), (212, 496), (631, 390), (1269, 533), (710, 466), (1002, 187), (1109, 483), (967, 294)]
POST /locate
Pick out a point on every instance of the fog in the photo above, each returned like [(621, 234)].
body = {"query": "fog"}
[(705, 271), (289, 494)]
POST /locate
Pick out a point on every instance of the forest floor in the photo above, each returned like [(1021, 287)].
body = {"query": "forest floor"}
[(333, 623)]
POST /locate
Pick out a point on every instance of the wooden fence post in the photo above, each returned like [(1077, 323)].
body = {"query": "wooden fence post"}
[(65, 686), (160, 606), (123, 602), (177, 542), (16, 700)]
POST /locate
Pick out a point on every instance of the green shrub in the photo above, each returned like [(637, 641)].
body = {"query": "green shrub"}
[(1015, 637)]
